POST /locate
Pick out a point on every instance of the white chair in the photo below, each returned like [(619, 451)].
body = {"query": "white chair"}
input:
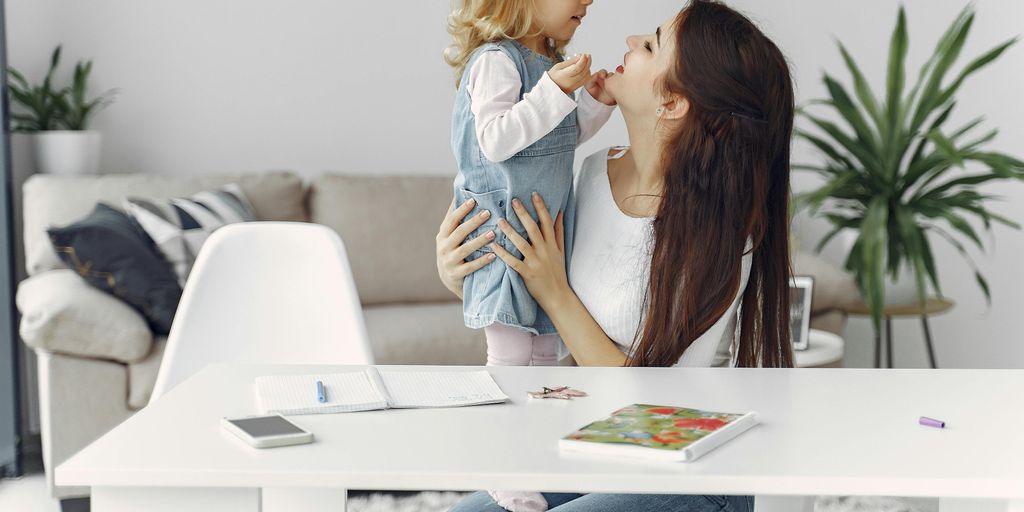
[(266, 292)]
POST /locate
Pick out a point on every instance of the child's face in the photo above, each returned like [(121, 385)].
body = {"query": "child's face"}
[(560, 18)]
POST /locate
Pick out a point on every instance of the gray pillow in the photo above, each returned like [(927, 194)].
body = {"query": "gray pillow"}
[(112, 253)]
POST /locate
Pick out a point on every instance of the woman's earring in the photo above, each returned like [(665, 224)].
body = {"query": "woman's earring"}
[(660, 111)]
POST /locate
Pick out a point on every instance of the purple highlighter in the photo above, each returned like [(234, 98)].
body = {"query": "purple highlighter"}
[(929, 422)]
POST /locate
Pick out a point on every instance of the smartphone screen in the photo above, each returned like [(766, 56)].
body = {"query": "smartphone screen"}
[(266, 426)]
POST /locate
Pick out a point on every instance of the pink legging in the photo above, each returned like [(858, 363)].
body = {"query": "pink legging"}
[(508, 346)]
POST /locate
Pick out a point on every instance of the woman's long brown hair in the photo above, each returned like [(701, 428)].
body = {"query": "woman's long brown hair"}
[(726, 181)]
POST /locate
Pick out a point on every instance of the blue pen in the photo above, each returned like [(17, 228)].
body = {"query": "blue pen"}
[(320, 396)]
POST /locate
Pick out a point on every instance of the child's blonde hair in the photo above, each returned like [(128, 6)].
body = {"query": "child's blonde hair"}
[(473, 23)]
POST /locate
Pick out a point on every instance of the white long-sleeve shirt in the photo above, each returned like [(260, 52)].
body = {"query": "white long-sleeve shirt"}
[(610, 269), (505, 125)]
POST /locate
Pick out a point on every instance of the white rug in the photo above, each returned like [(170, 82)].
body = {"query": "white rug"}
[(441, 501), (422, 502), (873, 504)]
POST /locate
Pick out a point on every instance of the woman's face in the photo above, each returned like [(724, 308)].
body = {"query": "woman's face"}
[(635, 84)]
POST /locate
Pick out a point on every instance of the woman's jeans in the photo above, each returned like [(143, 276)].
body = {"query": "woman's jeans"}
[(567, 502)]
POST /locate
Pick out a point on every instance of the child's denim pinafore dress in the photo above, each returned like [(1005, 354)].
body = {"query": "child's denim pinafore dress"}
[(496, 293)]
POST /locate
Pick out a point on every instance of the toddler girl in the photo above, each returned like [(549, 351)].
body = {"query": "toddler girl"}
[(515, 128)]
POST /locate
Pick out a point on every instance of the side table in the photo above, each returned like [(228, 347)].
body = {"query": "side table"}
[(934, 306), (824, 350)]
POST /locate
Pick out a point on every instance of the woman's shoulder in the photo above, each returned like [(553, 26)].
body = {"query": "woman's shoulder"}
[(597, 163), (592, 166), (616, 152)]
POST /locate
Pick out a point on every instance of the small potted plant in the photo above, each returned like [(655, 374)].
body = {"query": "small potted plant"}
[(58, 118)]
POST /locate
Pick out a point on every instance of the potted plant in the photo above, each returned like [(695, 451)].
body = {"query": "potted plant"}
[(895, 172), (58, 119)]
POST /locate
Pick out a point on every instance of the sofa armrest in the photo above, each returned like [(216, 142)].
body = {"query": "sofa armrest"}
[(62, 313)]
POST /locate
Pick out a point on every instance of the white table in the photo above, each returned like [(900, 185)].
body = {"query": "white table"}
[(823, 431), (824, 349)]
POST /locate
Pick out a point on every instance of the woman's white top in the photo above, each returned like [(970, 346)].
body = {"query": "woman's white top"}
[(610, 269)]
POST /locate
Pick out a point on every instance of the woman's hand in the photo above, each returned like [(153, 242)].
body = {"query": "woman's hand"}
[(543, 263), (452, 266)]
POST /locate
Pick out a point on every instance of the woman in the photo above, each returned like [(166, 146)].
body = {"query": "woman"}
[(678, 238)]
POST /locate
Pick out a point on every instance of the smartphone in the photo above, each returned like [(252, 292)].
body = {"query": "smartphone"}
[(267, 431)]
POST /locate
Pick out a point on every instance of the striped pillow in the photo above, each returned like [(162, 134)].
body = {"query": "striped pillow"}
[(179, 226)]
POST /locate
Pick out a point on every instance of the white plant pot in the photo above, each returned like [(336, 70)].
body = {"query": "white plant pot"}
[(903, 290), (67, 152)]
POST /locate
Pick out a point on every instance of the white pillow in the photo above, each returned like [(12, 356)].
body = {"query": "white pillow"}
[(62, 313)]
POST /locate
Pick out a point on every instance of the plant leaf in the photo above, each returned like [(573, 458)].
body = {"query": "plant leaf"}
[(946, 53), (863, 90), (974, 66), (826, 148), (873, 237), (896, 74), (862, 154), (843, 104), (946, 147), (961, 225), (984, 288)]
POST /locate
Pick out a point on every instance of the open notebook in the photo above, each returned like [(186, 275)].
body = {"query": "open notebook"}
[(371, 389)]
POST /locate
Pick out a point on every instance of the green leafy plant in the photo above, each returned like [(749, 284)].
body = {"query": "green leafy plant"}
[(896, 173), (48, 108), (77, 109), (42, 102)]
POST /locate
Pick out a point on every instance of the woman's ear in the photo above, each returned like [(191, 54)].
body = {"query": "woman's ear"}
[(675, 108)]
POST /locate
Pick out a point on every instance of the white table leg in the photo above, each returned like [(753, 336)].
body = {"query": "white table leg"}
[(302, 499), (976, 505), (174, 499), (764, 503)]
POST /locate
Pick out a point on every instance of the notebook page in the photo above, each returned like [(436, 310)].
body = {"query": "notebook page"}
[(296, 394), (412, 389)]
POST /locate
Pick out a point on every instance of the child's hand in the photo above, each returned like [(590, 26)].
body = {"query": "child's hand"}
[(595, 86), (571, 74)]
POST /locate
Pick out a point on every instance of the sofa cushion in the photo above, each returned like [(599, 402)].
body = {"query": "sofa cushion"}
[(142, 374), (53, 200), (111, 252), (833, 288), (62, 313), (179, 225), (832, 321), (423, 334), (392, 257)]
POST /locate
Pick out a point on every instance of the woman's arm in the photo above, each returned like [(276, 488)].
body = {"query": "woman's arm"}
[(543, 271), (452, 267)]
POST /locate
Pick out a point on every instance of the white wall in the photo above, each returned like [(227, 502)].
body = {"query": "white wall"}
[(213, 86)]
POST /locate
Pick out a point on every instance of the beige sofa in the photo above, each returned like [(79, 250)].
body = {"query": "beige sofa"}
[(98, 360)]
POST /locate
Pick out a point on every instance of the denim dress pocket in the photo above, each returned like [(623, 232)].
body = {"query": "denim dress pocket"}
[(548, 159), (495, 202)]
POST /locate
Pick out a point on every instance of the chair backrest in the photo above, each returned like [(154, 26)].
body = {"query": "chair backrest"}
[(266, 292)]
